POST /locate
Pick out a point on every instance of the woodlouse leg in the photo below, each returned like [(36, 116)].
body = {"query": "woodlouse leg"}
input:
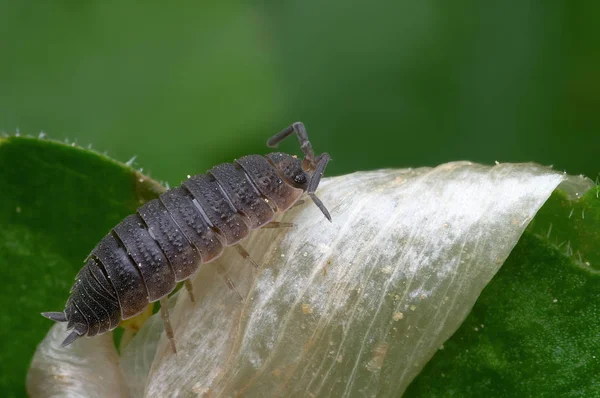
[(190, 289), (305, 145), (221, 270), (245, 255), (322, 161), (298, 203), (164, 314), (277, 224)]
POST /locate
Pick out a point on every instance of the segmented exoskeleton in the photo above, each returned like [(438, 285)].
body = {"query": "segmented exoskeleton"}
[(142, 259)]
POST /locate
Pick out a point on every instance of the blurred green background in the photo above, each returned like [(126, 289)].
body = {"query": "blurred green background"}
[(379, 84), (402, 83)]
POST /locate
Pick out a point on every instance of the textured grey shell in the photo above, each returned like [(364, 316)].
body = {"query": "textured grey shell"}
[(142, 259)]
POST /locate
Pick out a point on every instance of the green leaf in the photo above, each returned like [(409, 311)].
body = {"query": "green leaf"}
[(534, 329), (57, 203), (572, 226)]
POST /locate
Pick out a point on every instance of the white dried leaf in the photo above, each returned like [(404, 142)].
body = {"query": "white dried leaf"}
[(85, 370), (352, 308)]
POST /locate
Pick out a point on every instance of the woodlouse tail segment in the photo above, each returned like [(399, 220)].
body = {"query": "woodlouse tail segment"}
[(55, 316), (321, 164), (62, 317), (70, 338)]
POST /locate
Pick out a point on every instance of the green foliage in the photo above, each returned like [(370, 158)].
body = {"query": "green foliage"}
[(124, 77), (57, 203), (572, 226), (396, 84), (534, 329), (539, 314), (399, 83)]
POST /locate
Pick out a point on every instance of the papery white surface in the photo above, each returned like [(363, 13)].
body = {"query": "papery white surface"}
[(352, 308), (83, 370)]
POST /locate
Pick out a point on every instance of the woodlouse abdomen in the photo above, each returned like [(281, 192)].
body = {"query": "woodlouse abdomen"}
[(142, 258)]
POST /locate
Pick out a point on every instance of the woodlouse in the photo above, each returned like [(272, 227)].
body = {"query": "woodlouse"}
[(141, 260)]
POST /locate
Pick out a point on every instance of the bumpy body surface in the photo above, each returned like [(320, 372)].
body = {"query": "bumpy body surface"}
[(143, 257)]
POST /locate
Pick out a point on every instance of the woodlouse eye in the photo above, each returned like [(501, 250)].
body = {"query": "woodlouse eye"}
[(300, 179)]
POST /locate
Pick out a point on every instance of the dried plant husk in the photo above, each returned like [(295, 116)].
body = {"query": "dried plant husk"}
[(350, 308), (90, 369)]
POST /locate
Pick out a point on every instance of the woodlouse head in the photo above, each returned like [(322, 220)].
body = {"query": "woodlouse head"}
[(305, 174), (290, 169)]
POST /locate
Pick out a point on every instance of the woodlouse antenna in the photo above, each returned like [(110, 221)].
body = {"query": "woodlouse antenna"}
[(300, 131), (322, 161), (318, 164)]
